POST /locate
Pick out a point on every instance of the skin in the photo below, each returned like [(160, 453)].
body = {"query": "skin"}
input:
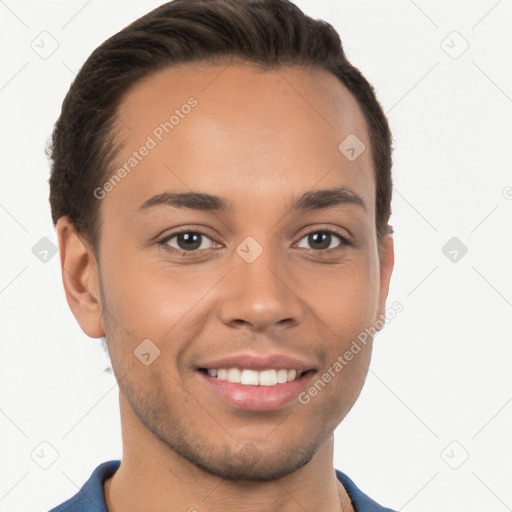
[(259, 139)]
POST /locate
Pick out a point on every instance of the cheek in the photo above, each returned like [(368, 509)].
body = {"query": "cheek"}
[(145, 294), (153, 301), (345, 298)]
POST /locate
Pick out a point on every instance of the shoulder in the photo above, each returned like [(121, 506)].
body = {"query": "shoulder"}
[(90, 497), (360, 501)]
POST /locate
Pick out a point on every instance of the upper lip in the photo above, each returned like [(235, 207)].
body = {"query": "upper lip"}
[(259, 362)]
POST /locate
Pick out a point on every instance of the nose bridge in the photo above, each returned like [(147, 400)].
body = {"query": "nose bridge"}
[(257, 291)]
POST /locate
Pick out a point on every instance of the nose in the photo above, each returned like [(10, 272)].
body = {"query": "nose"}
[(260, 295)]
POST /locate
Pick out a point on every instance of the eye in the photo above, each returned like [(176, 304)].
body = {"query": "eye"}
[(187, 242), (322, 239)]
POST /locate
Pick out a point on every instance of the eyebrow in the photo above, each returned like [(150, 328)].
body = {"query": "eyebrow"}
[(321, 199), (311, 200), (192, 200)]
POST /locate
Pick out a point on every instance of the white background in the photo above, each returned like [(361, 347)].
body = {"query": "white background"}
[(441, 370)]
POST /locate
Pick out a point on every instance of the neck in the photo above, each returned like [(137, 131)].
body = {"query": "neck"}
[(153, 477)]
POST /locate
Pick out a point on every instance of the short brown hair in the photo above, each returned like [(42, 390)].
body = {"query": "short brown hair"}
[(270, 33)]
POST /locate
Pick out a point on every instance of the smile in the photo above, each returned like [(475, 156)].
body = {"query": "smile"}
[(253, 390)]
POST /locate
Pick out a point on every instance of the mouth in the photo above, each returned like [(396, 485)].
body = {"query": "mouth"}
[(248, 389)]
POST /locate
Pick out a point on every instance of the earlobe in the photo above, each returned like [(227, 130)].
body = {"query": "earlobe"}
[(80, 279), (387, 262)]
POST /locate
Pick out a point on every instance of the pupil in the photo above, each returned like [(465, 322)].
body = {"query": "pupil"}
[(325, 240), (191, 241)]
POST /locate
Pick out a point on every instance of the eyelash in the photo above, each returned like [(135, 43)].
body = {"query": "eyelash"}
[(344, 241)]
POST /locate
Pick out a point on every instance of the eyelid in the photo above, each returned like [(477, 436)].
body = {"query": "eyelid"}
[(342, 233)]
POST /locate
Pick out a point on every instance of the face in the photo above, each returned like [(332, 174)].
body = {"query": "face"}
[(253, 275)]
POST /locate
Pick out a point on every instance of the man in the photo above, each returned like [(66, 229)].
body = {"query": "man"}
[(221, 187)]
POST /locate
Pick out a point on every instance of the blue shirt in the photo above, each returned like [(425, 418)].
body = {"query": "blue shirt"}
[(90, 497)]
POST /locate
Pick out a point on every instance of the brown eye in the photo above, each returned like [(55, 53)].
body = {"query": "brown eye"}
[(187, 242), (322, 240)]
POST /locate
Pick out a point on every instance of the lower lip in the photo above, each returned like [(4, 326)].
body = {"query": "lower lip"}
[(256, 398)]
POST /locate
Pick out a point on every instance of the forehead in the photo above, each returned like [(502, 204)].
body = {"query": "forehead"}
[(236, 130)]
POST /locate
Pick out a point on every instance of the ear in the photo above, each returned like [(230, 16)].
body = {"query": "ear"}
[(387, 262), (80, 278)]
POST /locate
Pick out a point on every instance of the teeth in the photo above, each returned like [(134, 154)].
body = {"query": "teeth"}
[(268, 378), (282, 376), (233, 375), (247, 377)]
